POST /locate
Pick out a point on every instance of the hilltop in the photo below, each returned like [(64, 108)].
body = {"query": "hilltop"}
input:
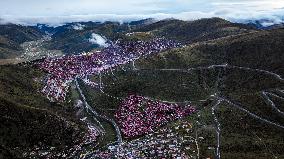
[(258, 49), (71, 40), (195, 31)]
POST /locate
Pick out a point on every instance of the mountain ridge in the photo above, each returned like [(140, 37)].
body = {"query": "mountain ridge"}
[(227, 71)]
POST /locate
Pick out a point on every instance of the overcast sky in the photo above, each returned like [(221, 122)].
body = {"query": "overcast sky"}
[(57, 12)]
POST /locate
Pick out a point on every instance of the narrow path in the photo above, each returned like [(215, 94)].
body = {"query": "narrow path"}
[(270, 102), (102, 91), (250, 113), (265, 145), (97, 115), (89, 108), (118, 134), (217, 128), (197, 145), (278, 96), (217, 66), (218, 99)]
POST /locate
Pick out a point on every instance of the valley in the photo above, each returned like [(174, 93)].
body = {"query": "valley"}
[(203, 89)]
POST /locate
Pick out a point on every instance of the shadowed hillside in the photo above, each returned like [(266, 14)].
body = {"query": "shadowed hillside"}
[(72, 41), (11, 36), (262, 50), (228, 76), (193, 31), (29, 120)]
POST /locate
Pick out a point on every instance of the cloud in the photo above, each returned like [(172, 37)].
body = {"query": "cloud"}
[(97, 39), (78, 26), (54, 12)]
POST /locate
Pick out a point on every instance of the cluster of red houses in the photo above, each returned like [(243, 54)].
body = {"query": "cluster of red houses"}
[(55, 88), (138, 115), (172, 141), (65, 69)]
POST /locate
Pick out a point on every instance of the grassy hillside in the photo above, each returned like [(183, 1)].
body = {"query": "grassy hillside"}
[(193, 31), (76, 41), (242, 135), (72, 41), (28, 119), (11, 36), (8, 48), (262, 50)]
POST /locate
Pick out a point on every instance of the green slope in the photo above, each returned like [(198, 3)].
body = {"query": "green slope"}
[(72, 41), (28, 119), (11, 36), (193, 31), (242, 135), (262, 50)]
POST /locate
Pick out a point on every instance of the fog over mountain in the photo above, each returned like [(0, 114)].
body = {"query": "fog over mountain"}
[(97, 39), (55, 13)]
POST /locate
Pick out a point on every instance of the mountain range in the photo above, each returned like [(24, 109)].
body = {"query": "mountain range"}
[(238, 62)]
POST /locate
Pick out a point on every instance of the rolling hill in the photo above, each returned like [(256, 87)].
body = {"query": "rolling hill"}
[(260, 49), (70, 40), (195, 31), (233, 70), (232, 74), (74, 41), (11, 36), (29, 122)]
